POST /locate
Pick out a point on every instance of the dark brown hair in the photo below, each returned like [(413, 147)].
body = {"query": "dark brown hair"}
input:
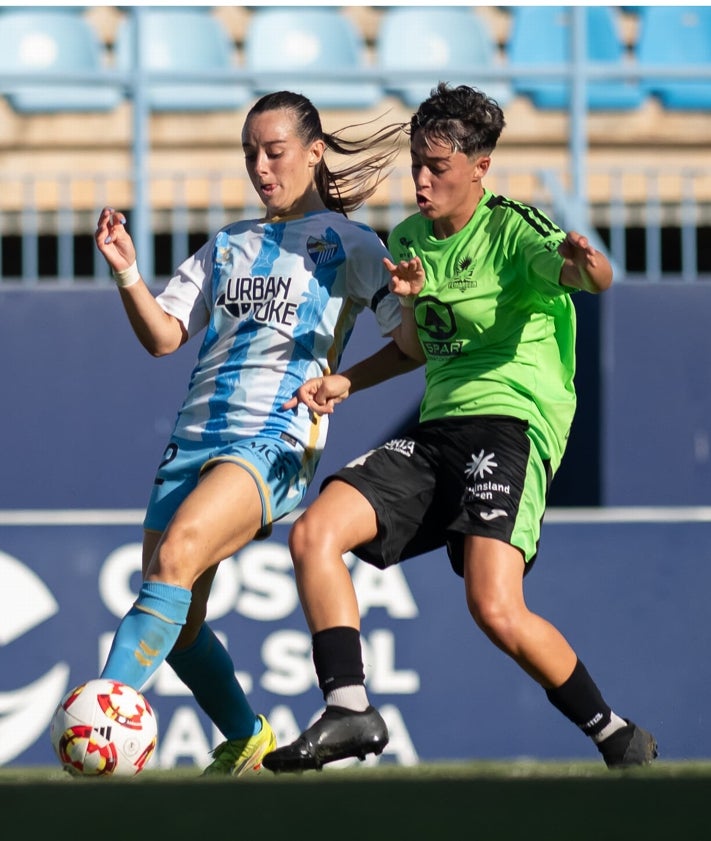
[(461, 117), (342, 190)]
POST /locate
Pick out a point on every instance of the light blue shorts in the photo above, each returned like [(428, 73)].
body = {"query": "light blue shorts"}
[(281, 469)]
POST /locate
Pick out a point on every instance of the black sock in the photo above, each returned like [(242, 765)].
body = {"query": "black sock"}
[(338, 658), (580, 700)]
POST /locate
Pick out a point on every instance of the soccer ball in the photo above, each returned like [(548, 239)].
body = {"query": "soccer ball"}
[(104, 728)]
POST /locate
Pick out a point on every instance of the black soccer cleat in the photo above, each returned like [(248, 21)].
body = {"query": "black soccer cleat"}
[(339, 733), (628, 747)]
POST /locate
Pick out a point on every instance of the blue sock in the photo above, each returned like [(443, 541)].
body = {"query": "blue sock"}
[(147, 633), (207, 670)]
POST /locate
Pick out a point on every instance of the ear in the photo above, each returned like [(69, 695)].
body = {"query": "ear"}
[(481, 167), (318, 147)]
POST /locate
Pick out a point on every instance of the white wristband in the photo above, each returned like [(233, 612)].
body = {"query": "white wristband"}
[(127, 277), (407, 301)]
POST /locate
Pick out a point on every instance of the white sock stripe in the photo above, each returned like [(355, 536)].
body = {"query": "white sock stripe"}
[(350, 697)]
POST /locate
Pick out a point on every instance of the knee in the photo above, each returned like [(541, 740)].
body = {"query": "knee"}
[(177, 553), (496, 619), (315, 543), (303, 538)]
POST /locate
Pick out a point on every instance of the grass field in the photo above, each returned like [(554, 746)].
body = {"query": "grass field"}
[(491, 801)]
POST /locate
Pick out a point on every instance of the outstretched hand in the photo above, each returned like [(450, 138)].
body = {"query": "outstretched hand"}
[(407, 278), (587, 268), (321, 394), (113, 241), (577, 248)]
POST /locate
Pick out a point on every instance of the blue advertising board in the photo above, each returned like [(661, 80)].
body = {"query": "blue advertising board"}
[(656, 394), (628, 589)]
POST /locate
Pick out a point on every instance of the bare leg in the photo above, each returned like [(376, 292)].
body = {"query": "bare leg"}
[(338, 520), (493, 576)]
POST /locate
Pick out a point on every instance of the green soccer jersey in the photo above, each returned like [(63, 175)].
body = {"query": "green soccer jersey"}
[(496, 326)]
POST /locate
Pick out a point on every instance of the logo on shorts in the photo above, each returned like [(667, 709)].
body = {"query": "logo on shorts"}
[(481, 464), (481, 488), (493, 514), (404, 446)]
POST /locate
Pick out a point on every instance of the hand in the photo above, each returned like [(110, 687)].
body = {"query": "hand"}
[(321, 394), (113, 241), (407, 278), (585, 267), (577, 248)]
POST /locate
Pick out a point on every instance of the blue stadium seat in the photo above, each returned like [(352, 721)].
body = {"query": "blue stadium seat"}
[(59, 40), (674, 36), (183, 40), (290, 39), (450, 43), (541, 36)]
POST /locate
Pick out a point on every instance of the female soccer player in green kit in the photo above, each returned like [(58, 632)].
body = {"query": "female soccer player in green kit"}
[(486, 283)]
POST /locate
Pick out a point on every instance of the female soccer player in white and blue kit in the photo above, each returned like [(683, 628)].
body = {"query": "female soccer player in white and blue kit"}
[(277, 299)]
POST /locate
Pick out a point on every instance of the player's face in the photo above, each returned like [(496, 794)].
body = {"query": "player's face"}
[(280, 168), (447, 184)]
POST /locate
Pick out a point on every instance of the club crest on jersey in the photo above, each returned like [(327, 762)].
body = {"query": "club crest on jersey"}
[(321, 250), (464, 278)]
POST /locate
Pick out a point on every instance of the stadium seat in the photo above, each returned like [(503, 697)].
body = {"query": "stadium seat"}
[(287, 40), (449, 43), (181, 40), (57, 41), (676, 36), (541, 36)]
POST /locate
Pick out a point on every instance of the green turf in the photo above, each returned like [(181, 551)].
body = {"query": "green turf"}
[(482, 801), (478, 770)]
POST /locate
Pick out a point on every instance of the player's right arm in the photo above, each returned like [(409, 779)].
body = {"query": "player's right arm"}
[(158, 332), (407, 279)]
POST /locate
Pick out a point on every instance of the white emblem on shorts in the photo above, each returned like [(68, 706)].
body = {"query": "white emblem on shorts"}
[(404, 446), (493, 514), (481, 464)]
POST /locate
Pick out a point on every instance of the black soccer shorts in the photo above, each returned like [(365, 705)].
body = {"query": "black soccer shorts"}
[(443, 479)]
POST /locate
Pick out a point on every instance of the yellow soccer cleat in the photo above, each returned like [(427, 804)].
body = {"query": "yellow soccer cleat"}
[(236, 757)]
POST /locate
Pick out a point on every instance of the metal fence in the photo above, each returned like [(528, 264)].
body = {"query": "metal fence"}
[(654, 239)]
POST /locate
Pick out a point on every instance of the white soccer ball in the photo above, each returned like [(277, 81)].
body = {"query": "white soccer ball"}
[(104, 728)]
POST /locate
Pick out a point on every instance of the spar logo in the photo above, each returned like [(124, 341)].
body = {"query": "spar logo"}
[(25, 713)]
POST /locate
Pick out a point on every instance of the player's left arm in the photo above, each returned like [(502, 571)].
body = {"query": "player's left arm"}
[(322, 394), (585, 267)]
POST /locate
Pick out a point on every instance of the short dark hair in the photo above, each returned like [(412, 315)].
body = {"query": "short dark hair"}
[(461, 117)]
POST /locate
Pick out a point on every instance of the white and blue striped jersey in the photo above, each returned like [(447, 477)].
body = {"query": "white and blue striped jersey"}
[(279, 301)]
